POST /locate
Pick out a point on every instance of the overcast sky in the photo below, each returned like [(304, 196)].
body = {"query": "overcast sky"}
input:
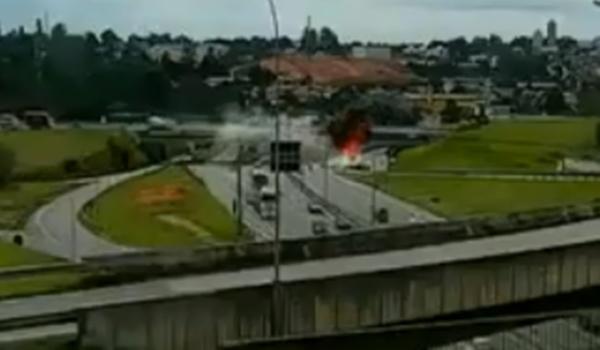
[(369, 20)]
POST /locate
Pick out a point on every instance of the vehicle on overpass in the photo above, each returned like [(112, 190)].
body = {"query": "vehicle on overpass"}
[(160, 123), (315, 209), (319, 228), (261, 195), (343, 224)]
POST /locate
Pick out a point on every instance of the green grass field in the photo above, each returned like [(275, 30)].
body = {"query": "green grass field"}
[(515, 145), (44, 148), (168, 208), (18, 200), (455, 197), (43, 153), (40, 284), (15, 256)]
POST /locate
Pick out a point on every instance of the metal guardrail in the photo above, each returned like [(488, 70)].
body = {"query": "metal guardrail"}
[(235, 257)]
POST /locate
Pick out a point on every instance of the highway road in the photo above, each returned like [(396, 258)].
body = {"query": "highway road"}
[(356, 198), (295, 218), (56, 230), (568, 235), (561, 334)]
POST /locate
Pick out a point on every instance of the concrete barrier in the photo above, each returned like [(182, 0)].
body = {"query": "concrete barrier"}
[(344, 304), (234, 257)]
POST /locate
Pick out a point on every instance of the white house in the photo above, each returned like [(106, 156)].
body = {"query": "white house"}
[(376, 52), (177, 52)]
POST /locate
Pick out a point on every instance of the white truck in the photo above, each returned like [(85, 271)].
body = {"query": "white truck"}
[(261, 196)]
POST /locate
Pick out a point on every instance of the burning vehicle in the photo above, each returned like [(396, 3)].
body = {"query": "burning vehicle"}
[(350, 132)]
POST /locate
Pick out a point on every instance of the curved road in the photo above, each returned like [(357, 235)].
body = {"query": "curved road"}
[(55, 229)]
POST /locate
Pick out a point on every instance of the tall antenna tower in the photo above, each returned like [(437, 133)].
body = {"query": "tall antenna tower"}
[(46, 22)]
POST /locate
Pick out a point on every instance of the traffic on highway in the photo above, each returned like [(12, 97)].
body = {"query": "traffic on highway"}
[(269, 175)]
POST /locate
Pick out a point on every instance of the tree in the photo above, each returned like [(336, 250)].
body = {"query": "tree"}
[(479, 45), (522, 42), (91, 40), (7, 164), (310, 41), (109, 38), (458, 48), (183, 39), (555, 102), (329, 41), (59, 31), (284, 43), (567, 43), (451, 114), (39, 27)]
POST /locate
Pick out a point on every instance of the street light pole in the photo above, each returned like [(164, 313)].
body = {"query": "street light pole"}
[(373, 192), (240, 202), (73, 230), (276, 319), (326, 174)]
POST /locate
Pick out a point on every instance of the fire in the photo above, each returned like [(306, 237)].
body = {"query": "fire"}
[(350, 133)]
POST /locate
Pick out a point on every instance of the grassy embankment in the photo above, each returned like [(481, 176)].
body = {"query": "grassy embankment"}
[(528, 146), (164, 209), (44, 159)]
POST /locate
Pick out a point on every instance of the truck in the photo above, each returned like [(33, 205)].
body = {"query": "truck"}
[(261, 195)]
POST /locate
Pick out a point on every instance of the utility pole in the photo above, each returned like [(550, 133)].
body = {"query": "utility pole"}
[(373, 192), (240, 204), (276, 328), (73, 230), (326, 174)]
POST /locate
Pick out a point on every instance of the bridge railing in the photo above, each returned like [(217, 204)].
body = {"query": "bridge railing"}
[(234, 257)]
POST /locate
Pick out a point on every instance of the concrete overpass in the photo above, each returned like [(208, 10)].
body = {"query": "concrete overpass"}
[(329, 296)]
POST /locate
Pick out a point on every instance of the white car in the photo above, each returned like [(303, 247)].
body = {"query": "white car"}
[(319, 228)]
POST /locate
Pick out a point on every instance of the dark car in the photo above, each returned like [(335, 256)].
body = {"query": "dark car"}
[(315, 209), (383, 216), (343, 224)]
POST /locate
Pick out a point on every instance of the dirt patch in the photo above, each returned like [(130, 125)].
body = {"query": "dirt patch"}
[(160, 194), (338, 70), (185, 224)]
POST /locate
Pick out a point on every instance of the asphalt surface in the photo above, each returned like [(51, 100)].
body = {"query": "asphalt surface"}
[(55, 229), (561, 334), (357, 199), (568, 235), (296, 221)]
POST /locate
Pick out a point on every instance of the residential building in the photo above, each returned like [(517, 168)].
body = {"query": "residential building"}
[(177, 51), (10, 122), (552, 33), (373, 52), (38, 119), (537, 41), (200, 51)]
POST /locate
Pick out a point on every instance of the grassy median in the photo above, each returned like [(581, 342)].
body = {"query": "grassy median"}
[(15, 256), (165, 209), (506, 145)]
